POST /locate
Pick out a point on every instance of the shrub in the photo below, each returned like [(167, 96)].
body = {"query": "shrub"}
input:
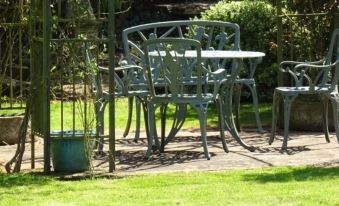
[(258, 33), (304, 38)]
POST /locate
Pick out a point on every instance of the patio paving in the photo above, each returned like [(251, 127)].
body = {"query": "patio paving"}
[(185, 153)]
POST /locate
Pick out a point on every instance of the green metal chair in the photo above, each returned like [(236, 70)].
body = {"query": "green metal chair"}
[(211, 35), (324, 84), (179, 80), (124, 87)]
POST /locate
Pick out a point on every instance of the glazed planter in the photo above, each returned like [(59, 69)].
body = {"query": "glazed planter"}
[(9, 129), (71, 152)]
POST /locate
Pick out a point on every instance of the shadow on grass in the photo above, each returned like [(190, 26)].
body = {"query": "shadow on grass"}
[(20, 179), (294, 174), (247, 116)]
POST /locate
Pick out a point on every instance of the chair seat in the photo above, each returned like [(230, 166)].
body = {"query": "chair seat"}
[(186, 98), (303, 90), (245, 81)]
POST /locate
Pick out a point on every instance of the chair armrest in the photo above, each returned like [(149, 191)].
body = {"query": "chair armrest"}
[(120, 68), (122, 82), (219, 71), (299, 72), (218, 76), (289, 64)]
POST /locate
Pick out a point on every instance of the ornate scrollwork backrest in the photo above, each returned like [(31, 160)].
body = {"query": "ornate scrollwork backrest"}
[(211, 34), (332, 56), (173, 62)]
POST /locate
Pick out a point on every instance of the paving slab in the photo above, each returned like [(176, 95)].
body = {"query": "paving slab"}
[(185, 153)]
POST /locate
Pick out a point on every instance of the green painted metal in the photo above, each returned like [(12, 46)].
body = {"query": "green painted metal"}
[(182, 80), (59, 72), (212, 35), (111, 52), (14, 57), (289, 46), (46, 65), (14, 76), (324, 84), (279, 39)]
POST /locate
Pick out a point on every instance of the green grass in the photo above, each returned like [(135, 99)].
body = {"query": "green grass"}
[(274, 186), (15, 109), (247, 116)]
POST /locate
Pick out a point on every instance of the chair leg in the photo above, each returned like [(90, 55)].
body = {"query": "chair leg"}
[(335, 101), (129, 116), (256, 106), (324, 101), (137, 119), (275, 114), (221, 125), (287, 110), (202, 112), (151, 129), (237, 96), (163, 112), (100, 111)]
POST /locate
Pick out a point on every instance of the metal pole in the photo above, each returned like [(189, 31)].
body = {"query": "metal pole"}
[(336, 18), (279, 39), (31, 33), (32, 151), (46, 67), (111, 52)]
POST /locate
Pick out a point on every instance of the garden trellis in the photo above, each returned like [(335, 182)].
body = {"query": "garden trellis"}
[(60, 29), (14, 56)]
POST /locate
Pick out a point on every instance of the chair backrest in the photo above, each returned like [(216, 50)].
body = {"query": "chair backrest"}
[(96, 73), (211, 34), (173, 64), (328, 75), (332, 56)]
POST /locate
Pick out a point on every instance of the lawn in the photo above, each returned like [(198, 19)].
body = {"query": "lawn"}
[(247, 116), (273, 186)]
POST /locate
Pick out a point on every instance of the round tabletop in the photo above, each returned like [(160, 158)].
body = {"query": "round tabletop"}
[(227, 54), (216, 54)]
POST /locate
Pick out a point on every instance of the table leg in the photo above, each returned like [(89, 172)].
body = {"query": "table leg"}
[(226, 97)]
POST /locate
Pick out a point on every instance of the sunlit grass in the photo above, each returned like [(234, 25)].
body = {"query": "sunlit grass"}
[(7, 109), (311, 186), (247, 118)]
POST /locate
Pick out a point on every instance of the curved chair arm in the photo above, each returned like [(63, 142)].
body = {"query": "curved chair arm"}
[(217, 76), (291, 68), (300, 73), (286, 66), (122, 82), (303, 73), (120, 68)]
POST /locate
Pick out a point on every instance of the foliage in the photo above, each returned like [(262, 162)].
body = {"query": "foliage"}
[(304, 38), (258, 32), (14, 51)]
